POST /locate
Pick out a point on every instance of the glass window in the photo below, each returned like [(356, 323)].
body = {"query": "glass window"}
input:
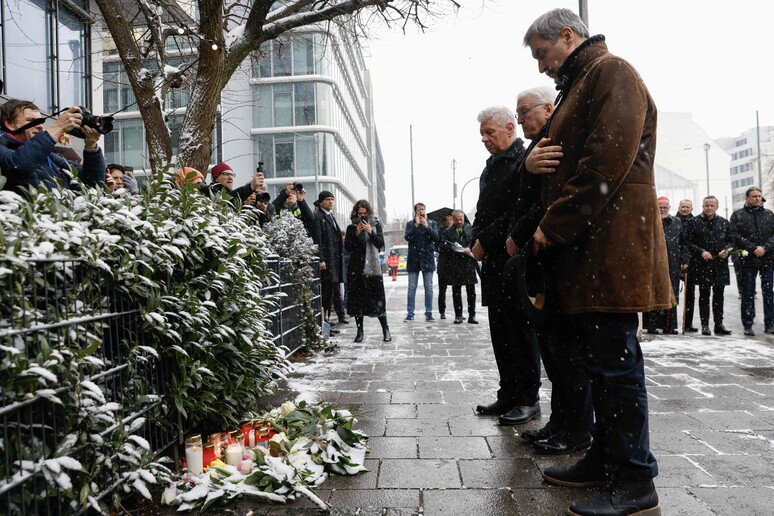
[(71, 52), (133, 143), (283, 105), (262, 60), (305, 154), (262, 106), (265, 152), (283, 149), (303, 55), (28, 70), (324, 103), (110, 87), (281, 59), (305, 105)]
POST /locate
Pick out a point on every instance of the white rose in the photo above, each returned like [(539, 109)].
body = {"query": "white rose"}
[(287, 407), (745, 253), (277, 438)]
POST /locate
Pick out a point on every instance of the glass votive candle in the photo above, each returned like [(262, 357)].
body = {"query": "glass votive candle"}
[(194, 454)]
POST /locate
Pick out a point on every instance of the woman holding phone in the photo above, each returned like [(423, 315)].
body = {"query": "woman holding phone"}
[(365, 297)]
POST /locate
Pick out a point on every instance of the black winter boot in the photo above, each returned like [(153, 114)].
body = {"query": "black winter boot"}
[(621, 498)]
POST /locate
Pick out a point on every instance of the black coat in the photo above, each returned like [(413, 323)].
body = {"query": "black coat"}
[(677, 253), (753, 226), (460, 267), (702, 234), (331, 247), (443, 257), (498, 188), (421, 241), (365, 294)]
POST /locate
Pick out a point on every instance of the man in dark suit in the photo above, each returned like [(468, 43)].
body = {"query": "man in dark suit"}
[(331, 261), (460, 265), (513, 340)]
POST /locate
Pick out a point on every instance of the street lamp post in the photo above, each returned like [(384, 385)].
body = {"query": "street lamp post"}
[(462, 192), (454, 183), (706, 162)]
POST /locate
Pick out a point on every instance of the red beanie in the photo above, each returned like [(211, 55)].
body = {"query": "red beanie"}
[(218, 169), (662, 198)]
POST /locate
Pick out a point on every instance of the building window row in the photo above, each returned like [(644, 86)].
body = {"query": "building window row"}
[(741, 154), (741, 142), (747, 181), (45, 54), (746, 167)]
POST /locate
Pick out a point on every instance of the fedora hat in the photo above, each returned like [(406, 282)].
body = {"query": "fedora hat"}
[(528, 274)]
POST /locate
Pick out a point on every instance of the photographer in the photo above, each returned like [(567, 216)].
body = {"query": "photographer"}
[(27, 155), (292, 199)]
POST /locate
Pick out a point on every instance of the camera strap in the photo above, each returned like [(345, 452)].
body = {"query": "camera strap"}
[(26, 126)]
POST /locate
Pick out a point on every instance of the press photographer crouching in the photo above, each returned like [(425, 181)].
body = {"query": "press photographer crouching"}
[(27, 155)]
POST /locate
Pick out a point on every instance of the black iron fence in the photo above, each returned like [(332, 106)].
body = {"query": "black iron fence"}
[(63, 306)]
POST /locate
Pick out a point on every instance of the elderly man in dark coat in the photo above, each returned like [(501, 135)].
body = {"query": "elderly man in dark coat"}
[(460, 265), (677, 255), (709, 240), (602, 222), (513, 341), (331, 259), (753, 230)]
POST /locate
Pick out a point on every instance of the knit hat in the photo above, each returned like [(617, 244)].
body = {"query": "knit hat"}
[(324, 195), (188, 175), (662, 198), (219, 169)]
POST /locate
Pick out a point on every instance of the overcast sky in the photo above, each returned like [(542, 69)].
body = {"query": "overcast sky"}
[(694, 56)]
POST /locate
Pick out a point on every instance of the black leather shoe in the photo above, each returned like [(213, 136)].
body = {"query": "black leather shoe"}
[(343, 320), (498, 408), (652, 331), (770, 330), (334, 332), (562, 443), (705, 330), (472, 320), (359, 336), (749, 332), (691, 329), (520, 414), (443, 316), (671, 332), (458, 320), (621, 498), (587, 472), (722, 330), (547, 431), (387, 336)]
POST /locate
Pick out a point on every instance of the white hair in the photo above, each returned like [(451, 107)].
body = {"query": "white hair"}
[(541, 94), (500, 114)]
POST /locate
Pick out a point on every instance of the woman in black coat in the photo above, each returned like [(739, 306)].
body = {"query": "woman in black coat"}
[(365, 297)]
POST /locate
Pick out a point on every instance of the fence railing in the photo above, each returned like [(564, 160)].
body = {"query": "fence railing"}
[(64, 306)]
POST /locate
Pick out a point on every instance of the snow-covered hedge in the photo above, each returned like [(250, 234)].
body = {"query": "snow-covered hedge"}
[(195, 268)]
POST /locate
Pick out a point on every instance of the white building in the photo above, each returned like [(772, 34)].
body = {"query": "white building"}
[(752, 161), (690, 165)]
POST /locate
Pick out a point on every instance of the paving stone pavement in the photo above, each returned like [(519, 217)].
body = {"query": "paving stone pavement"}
[(711, 422)]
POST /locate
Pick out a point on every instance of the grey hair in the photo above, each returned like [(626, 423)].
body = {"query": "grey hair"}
[(549, 25), (458, 212), (542, 94), (500, 114)]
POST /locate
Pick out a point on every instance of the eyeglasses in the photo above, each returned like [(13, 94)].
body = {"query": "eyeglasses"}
[(523, 112), (228, 174)]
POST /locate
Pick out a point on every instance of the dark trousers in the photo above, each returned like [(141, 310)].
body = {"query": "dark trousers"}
[(515, 350), (615, 366), (748, 275), (571, 404), (457, 299), (442, 295), (331, 298), (690, 301), (717, 303)]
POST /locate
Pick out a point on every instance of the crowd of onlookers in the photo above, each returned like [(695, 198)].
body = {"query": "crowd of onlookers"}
[(699, 248)]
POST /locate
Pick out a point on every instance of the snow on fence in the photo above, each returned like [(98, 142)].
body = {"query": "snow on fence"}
[(67, 314)]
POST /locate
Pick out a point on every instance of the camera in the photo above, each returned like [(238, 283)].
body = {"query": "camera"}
[(103, 124), (262, 197), (298, 187)]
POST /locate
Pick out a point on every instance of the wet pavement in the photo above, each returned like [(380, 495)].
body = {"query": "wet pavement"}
[(711, 424)]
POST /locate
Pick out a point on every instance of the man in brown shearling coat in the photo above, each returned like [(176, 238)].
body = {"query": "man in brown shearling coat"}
[(603, 222)]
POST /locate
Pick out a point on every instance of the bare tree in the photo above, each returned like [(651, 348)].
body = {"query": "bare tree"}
[(224, 34)]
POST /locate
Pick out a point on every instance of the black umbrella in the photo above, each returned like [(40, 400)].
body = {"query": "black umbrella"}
[(439, 216)]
